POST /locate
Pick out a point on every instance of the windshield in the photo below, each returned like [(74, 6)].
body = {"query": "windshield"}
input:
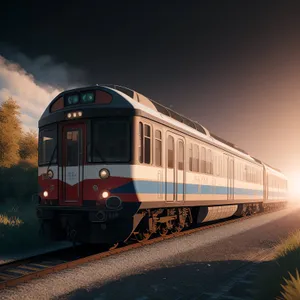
[(47, 146), (110, 140)]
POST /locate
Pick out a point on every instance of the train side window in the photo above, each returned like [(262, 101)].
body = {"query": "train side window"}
[(190, 155), (212, 163), (203, 160), (180, 155), (196, 158), (216, 165), (243, 172), (171, 152), (147, 144), (140, 146), (158, 148), (208, 162)]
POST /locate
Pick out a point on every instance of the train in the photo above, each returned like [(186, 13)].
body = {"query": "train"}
[(115, 165)]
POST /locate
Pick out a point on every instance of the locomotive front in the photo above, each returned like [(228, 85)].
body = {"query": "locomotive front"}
[(85, 156)]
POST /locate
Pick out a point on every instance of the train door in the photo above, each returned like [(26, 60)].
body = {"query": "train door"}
[(231, 178), (180, 173), (72, 164), (229, 175), (170, 168), (175, 170)]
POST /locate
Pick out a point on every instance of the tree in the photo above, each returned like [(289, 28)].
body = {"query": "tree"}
[(10, 133), (29, 147)]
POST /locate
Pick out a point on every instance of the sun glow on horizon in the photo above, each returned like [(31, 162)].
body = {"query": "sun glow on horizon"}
[(294, 185)]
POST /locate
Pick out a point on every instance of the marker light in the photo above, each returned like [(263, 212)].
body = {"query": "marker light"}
[(74, 114), (50, 174), (105, 194), (45, 194), (104, 174)]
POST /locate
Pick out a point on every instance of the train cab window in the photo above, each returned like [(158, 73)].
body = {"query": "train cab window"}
[(171, 152), (180, 155), (158, 148), (110, 139), (48, 146), (196, 158), (190, 156), (203, 160), (140, 145), (147, 144)]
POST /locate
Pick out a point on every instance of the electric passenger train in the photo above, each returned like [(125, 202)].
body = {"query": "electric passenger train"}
[(115, 165)]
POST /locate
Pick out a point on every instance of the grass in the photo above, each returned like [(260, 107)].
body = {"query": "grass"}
[(279, 278), (19, 228), (10, 221), (291, 289), (290, 244)]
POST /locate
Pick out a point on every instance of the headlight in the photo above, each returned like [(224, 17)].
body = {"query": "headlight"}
[(50, 174), (104, 174), (45, 194), (105, 194)]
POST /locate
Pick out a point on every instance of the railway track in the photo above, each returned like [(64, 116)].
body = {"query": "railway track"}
[(20, 271)]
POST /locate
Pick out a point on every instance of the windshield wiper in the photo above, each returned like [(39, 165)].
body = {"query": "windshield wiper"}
[(51, 158), (100, 155)]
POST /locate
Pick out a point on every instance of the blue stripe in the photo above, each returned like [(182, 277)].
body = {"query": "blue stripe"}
[(154, 187)]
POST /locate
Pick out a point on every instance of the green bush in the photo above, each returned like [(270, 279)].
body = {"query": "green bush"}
[(18, 182)]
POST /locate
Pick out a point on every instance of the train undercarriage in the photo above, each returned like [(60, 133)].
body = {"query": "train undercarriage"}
[(145, 223)]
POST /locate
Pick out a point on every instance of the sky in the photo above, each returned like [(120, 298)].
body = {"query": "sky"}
[(234, 66)]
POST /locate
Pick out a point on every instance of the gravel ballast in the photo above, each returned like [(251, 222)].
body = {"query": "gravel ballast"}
[(119, 266)]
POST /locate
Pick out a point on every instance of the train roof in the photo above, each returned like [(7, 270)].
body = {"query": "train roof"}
[(150, 105), (188, 122), (166, 114), (274, 171)]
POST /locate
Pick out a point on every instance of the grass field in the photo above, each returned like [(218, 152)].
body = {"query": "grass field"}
[(19, 228)]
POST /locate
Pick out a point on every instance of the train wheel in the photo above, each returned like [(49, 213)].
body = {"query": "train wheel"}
[(177, 227), (163, 230), (142, 236)]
